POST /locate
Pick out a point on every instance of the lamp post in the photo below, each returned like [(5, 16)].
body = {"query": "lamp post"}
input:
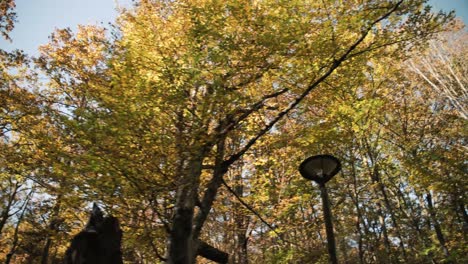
[(321, 169)]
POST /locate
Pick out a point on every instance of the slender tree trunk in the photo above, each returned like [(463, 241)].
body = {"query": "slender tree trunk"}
[(240, 221), (437, 228), (6, 211), (14, 244), (461, 213), (390, 210), (359, 229), (359, 220), (462, 210), (344, 249), (360, 244), (376, 179), (386, 241), (53, 228), (415, 222)]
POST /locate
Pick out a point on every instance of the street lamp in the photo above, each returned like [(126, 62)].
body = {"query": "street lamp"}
[(321, 169)]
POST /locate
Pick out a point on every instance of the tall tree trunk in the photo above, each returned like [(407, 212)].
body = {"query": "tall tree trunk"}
[(344, 249), (376, 179), (462, 210), (359, 219), (182, 248), (6, 211), (183, 243), (461, 213), (386, 240), (391, 211), (14, 244), (240, 255), (435, 222), (415, 222), (53, 228)]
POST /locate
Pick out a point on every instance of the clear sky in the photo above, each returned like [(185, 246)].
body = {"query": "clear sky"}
[(38, 18)]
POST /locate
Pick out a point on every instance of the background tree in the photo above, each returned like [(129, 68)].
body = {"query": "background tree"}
[(444, 67), (7, 17)]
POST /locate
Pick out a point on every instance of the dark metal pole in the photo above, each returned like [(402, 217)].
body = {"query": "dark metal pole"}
[(328, 224)]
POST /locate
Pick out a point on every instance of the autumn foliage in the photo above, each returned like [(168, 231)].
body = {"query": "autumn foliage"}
[(187, 120)]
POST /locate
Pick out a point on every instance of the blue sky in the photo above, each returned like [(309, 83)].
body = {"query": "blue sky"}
[(39, 18)]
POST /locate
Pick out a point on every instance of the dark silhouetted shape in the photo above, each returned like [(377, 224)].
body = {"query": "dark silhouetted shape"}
[(98, 243)]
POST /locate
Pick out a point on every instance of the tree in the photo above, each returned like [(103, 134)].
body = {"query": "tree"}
[(7, 17), (444, 67), (151, 116)]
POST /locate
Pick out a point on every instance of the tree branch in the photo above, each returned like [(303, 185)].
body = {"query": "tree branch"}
[(211, 189), (212, 253), (251, 209), (244, 113), (336, 63)]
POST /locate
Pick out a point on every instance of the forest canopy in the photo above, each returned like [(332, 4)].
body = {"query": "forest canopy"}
[(187, 120)]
